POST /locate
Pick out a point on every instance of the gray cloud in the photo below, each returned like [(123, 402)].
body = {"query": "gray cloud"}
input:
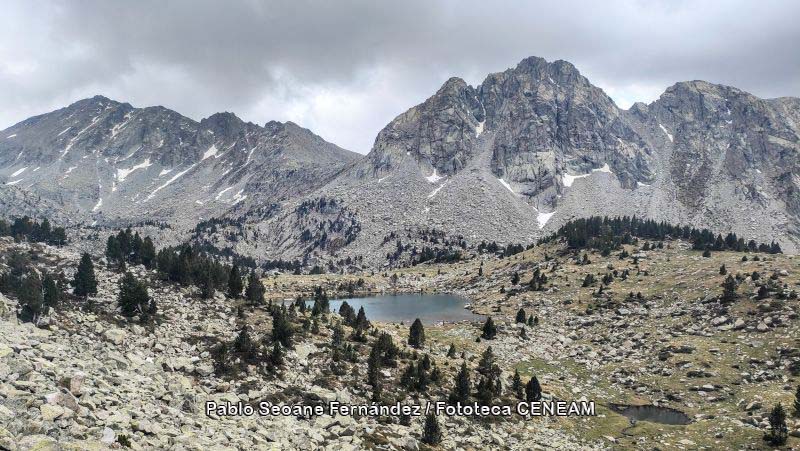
[(346, 68)]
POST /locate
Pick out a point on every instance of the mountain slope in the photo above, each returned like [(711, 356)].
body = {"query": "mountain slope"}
[(110, 160), (537, 145)]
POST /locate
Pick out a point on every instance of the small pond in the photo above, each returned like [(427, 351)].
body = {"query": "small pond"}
[(653, 414), (430, 308)]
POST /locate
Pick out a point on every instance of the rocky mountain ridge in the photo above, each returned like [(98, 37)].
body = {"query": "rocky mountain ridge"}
[(536, 145), (109, 161), (509, 160)]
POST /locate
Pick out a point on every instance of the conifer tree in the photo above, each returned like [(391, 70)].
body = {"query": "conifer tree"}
[(516, 385), (133, 298), (147, 253), (30, 298), (416, 334), (489, 330), (729, 289), (50, 291), (113, 249), (244, 344), (533, 391), (723, 270), (282, 330), (778, 430), (85, 282), (520, 316), (235, 285), (431, 432), (255, 289), (797, 402), (515, 278), (276, 355), (361, 319), (347, 313), (461, 388), (451, 352)]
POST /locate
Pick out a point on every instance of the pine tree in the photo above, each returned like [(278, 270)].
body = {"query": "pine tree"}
[(133, 298), (276, 356), (515, 278), (347, 313), (51, 292), (416, 334), (723, 270), (147, 253), (85, 282), (533, 391), (490, 371), (255, 290), (431, 432), (461, 388), (30, 298), (235, 285), (113, 249), (521, 316), (778, 430), (361, 319), (451, 352), (282, 330), (489, 330), (797, 402), (516, 385), (729, 289)]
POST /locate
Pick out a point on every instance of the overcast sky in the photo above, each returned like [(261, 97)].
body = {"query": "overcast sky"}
[(346, 68)]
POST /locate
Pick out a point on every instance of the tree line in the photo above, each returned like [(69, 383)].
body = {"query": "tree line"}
[(25, 228)]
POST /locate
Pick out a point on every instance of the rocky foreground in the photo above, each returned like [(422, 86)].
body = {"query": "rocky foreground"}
[(90, 379)]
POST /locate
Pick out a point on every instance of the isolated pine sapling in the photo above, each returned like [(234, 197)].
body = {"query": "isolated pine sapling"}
[(416, 334), (521, 316), (489, 330), (451, 352)]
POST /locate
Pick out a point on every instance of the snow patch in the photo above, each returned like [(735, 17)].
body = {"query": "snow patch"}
[(14, 182), (211, 152), (174, 177), (606, 168), (433, 193), (164, 172), (11, 136), (238, 197), (122, 174), (666, 132), (567, 179), (433, 178), (98, 205), (508, 187), (219, 194), (64, 131), (198, 202), (70, 169), (479, 128), (19, 171), (74, 138), (542, 218)]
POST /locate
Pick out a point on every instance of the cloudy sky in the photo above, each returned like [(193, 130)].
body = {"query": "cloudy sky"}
[(346, 68)]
